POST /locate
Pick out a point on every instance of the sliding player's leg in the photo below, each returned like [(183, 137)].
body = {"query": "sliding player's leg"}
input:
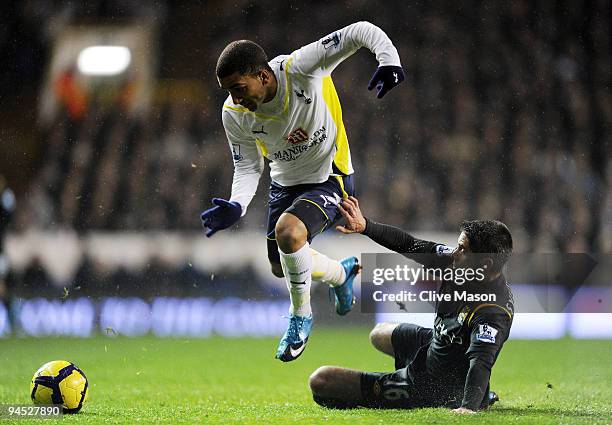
[(402, 341), (341, 388), (381, 337), (336, 387)]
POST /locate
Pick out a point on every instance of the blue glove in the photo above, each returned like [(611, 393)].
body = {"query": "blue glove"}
[(385, 78), (221, 216)]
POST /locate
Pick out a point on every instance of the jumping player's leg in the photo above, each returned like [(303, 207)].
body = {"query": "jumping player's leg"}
[(301, 264), (324, 269), (296, 262), (296, 215), (291, 236), (317, 209), (327, 270), (290, 229)]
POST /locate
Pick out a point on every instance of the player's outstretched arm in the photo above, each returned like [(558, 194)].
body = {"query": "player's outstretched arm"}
[(390, 237), (248, 166), (490, 327), (322, 57)]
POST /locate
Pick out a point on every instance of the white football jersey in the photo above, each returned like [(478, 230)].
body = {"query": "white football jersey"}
[(300, 130)]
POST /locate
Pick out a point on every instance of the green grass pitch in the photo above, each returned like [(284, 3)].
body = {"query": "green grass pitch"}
[(147, 380)]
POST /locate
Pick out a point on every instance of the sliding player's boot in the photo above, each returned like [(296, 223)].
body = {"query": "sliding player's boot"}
[(293, 342), (489, 400), (493, 398), (344, 293)]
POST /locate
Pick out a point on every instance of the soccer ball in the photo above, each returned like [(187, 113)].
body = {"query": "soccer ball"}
[(60, 382)]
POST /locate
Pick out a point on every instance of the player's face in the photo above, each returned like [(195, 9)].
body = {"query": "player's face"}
[(246, 90), (463, 257), (460, 253)]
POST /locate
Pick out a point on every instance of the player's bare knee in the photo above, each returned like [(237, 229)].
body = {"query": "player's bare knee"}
[(320, 380), (277, 270), (291, 233), (380, 337), (375, 335)]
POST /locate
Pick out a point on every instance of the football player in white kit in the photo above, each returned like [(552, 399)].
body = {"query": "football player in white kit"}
[(287, 110)]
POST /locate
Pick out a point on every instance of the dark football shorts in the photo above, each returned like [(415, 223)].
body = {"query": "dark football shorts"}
[(405, 388), (407, 339), (314, 204)]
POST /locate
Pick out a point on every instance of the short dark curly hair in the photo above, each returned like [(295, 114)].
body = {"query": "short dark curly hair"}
[(242, 56), (489, 237)]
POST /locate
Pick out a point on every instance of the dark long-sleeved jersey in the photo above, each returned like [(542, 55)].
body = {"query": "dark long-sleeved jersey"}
[(467, 336)]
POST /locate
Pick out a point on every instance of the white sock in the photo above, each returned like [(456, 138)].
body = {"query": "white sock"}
[(327, 270), (298, 268)]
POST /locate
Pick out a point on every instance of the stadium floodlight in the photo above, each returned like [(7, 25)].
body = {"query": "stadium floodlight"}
[(104, 60)]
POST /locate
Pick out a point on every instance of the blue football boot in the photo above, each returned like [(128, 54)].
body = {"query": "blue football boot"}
[(344, 293), (293, 343)]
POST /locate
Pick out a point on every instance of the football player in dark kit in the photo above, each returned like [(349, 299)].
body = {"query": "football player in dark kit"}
[(449, 365)]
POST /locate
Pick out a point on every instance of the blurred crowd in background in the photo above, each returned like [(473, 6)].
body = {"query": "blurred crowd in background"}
[(505, 114)]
